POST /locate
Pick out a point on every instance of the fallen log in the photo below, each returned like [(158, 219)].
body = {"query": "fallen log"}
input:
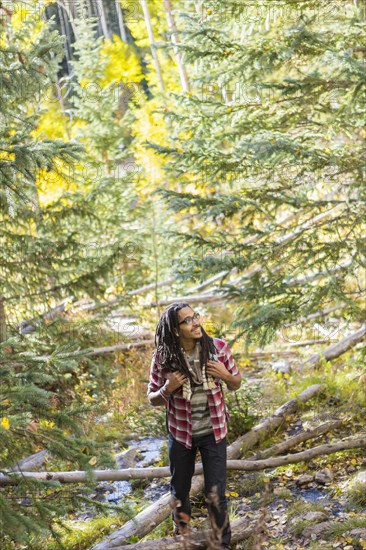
[(335, 350), (141, 343), (150, 473), (220, 296), (120, 347), (31, 325), (303, 456), (27, 464), (97, 351), (296, 439), (201, 298), (118, 299), (153, 515), (261, 431), (321, 313), (256, 355), (308, 342), (252, 270), (33, 461), (213, 279), (240, 529)]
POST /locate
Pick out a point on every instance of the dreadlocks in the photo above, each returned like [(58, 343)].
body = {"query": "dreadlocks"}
[(168, 345)]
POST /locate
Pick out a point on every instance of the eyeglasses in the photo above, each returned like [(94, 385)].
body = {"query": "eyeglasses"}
[(189, 320)]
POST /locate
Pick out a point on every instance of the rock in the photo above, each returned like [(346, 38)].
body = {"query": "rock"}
[(305, 478), (360, 477), (282, 366), (316, 517), (86, 516), (127, 459), (313, 531), (360, 533), (103, 489), (324, 476)]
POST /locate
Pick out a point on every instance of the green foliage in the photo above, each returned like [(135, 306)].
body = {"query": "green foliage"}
[(139, 419), (242, 405), (250, 484), (347, 525), (300, 508), (269, 157), (80, 535), (41, 411), (356, 495)]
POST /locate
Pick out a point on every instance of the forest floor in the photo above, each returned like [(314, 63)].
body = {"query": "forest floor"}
[(310, 504), (305, 505)]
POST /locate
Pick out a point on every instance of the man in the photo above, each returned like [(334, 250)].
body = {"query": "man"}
[(187, 370)]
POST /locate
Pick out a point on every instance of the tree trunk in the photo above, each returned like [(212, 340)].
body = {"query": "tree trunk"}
[(248, 465), (2, 320), (140, 290), (33, 461), (257, 355), (303, 456), (253, 270), (97, 351), (321, 313), (174, 38), (335, 350), (121, 22), (296, 439), (211, 280), (66, 6), (308, 343), (25, 327), (103, 20), (117, 347), (240, 529), (150, 33), (153, 515), (202, 298)]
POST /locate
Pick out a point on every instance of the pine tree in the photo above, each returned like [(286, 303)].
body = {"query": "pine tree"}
[(43, 259), (271, 157)]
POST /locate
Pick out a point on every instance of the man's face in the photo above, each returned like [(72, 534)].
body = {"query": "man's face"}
[(193, 328)]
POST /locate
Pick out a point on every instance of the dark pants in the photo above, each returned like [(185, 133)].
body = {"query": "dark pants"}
[(213, 456)]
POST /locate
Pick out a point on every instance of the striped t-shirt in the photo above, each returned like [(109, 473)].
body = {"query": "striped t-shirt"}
[(201, 419)]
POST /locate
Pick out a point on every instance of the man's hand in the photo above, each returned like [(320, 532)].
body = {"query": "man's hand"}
[(174, 381), (218, 370)]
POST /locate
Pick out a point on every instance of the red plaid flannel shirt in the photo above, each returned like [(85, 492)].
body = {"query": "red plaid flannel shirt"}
[(179, 409)]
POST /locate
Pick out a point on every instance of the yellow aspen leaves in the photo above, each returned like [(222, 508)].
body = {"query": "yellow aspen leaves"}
[(46, 424), (93, 461), (5, 423)]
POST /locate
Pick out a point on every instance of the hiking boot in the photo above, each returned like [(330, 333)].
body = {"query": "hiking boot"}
[(181, 525)]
